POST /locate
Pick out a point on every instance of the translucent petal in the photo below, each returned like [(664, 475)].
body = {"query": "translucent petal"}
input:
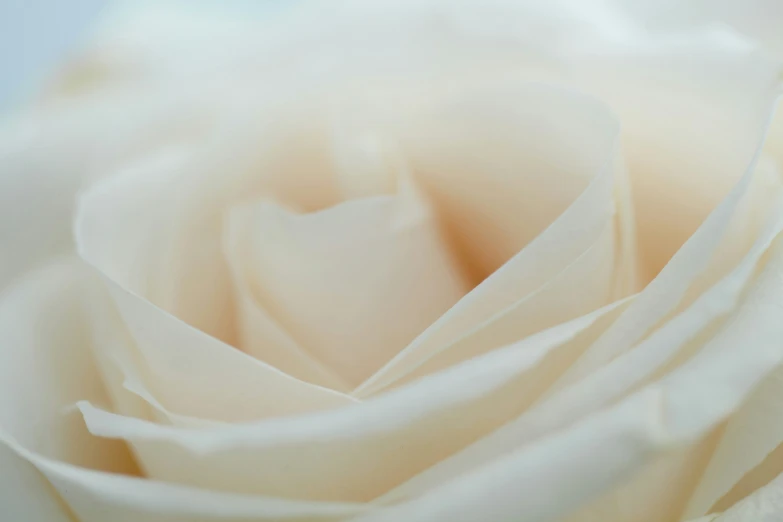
[(550, 478), (484, 160), (765, 505), (353, 283), (360, 452), (662, 350), (748, 438), (94, 496), (45, 368), (192, 372), (48, 153)]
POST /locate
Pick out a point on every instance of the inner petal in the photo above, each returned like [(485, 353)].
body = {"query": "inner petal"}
[(497, 167), (352, 284), (501, 165)]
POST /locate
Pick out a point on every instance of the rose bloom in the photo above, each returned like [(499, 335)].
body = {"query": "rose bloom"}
[(397, 261)]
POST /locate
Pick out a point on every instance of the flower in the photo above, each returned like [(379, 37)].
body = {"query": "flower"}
[(395, 260)]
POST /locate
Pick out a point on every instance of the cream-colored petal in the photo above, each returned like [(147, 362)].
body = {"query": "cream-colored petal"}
[(366, 166), (657, 492), (671, 485), (46, 366), (48, 153), (139, 249), (708, 255), (670, 344), (25, 493), (556, 475), (544, 481), (261, 336), (93, 496), (353, 283), (591, 273), (671, 124), (170, 206), (192, 373), (124, 372), (765, 505), (493, 162), (360, 452), (775, 143), (749, 437), (487, 196), (198, 375), (754, 479)]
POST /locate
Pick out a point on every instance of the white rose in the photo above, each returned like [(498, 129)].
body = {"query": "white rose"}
[(427, 260)]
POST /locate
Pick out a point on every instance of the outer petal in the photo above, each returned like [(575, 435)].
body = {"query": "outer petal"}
[(94, 496), (720, 243), (48, 153), (765, 505), (553, 477), (194, 373), (655, 354), (340, 454), (45, 367), (746, 444), (25, 493)]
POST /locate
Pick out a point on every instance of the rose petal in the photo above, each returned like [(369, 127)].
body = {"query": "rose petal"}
[(764, 505), (45, 368), (716, 246), (550, 478), (353, 283), (646, 493), (339, 454), (24, 492), (753, 480), (193, 373), (198, 375), (748, 439), (675, 77), (658, 491), (262, 337), (126, 376), (163, 276), (96, 497), (47, 154), (650, 357), (519, 130)]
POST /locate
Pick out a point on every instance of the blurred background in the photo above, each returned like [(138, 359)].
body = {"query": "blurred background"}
[(37, 35)]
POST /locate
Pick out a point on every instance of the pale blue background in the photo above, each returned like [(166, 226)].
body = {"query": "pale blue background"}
[(35, 36)]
